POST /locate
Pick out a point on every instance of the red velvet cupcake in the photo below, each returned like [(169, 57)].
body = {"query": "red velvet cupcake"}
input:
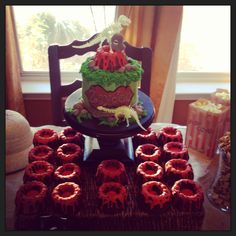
[(46, 137), (68, 172), (112, 197), (187, 195), (69, 152), (66, 198), (148, 152), (31, 198), (70, 135), (111, 171), (41, 153), (176, 169), (169, 134), (149, 170), (155, 196), (40, 171), (144, 137)]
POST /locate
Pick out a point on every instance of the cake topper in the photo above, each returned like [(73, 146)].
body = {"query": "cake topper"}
[(108, 32), (117, 43)]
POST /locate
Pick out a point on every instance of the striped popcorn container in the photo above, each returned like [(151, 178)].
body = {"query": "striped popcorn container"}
[(205, 125), (222, 96)]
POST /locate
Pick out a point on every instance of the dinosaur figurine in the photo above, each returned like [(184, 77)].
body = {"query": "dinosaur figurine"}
[(125, 111), (108, 32)]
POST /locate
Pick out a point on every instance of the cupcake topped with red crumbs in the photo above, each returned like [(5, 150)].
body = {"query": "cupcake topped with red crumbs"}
[(69, 152), (47, 137), (169, 134), (112, 197), (70, 135), (175, 150), (111, 171), (148, 152), (68, 172), (148, 136)]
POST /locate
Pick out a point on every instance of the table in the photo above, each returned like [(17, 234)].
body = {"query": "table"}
[(204, 172)]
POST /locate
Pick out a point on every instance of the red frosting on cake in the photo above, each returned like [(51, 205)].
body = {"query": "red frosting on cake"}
[(41, 153), (70, 135), (148, 152), (112, 196), (187, 195), (69, 152), (39, 170), (106, 59), (111, 171), (149, 170), (46, 137), (68, 172), (31, 198), (156, 195), (169, 134), (65, 197)]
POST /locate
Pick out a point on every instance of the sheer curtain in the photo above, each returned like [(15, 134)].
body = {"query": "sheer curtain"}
[(14, 97), (157, 27)]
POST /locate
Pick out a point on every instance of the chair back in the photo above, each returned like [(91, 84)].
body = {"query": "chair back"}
[(59, 91)]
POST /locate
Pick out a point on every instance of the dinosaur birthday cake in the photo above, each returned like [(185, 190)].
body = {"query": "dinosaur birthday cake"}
[(110, 80)]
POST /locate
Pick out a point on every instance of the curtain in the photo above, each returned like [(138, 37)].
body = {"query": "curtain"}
[(14, 97), (157, 27)]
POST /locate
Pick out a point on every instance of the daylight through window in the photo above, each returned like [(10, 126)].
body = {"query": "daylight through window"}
[(39, 26), (204, 43), (205, 39)]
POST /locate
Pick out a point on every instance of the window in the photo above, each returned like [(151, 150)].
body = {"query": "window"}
[(205, 43), (39, 26), (204, 51)]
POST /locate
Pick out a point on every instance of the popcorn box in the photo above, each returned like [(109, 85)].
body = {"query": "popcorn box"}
[(222, 96), (205, 125)]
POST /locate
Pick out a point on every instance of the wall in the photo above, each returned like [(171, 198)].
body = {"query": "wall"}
[(38, 112), (181, 111)]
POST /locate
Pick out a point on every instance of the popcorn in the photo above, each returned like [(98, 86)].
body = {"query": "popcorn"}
[(205, 124), (207, 105), (222, 96)]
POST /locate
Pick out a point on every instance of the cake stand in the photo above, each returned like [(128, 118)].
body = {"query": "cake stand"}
[(104, 142)]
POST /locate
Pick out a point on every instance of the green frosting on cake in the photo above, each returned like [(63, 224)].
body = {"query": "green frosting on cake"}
[(109, 79)]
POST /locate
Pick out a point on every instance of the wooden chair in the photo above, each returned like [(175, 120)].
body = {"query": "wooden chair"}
[(59, 91)]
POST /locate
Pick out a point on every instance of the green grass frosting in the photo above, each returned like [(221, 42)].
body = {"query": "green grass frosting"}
[(106, 78)]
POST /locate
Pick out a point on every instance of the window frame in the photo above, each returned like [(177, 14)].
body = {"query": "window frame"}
[(197, 85)]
